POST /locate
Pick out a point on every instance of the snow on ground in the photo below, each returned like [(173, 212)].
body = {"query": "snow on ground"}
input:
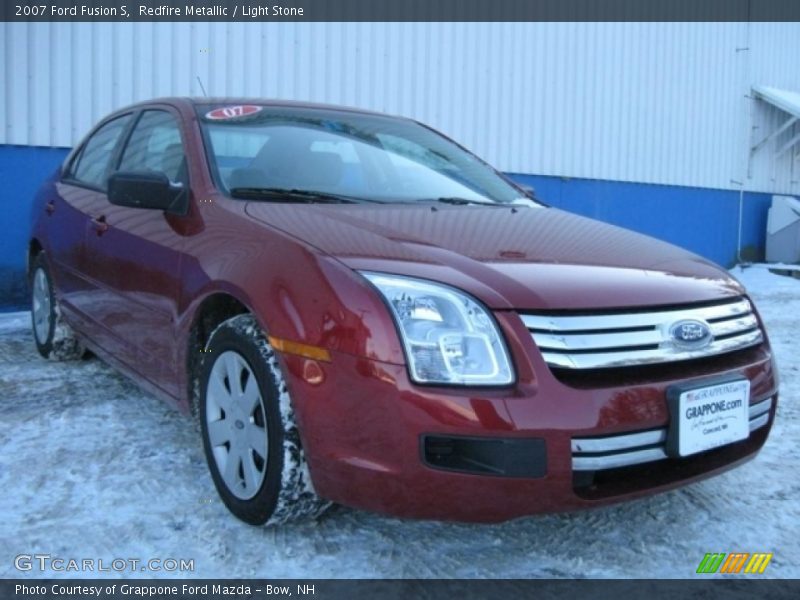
[(90, 466)]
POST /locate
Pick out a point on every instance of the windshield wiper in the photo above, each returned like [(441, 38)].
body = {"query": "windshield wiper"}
[(462, 201), (292, 195)]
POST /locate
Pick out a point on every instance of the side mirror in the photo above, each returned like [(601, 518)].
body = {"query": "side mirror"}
[(145, 190)]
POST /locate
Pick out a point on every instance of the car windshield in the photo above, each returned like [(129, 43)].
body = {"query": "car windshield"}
[(344, 155)]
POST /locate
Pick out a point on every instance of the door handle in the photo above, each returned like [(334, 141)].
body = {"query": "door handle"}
[(99, 224), (50, 207)]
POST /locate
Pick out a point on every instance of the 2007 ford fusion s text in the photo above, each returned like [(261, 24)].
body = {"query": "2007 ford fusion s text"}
[(360, 311)]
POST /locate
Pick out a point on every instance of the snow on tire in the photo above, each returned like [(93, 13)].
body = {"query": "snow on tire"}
[(234, 413)]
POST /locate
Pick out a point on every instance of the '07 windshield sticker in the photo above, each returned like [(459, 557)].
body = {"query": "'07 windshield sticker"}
[(232, 112)]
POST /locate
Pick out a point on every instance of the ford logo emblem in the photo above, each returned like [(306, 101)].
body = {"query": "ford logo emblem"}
[(690, 333)]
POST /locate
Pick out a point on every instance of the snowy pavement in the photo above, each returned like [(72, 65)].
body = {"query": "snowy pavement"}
[(92, 467)]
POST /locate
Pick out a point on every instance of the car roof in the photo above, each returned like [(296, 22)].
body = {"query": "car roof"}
[(185, 102)]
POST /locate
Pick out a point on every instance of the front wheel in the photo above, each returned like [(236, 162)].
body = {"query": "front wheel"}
[(250, 437)]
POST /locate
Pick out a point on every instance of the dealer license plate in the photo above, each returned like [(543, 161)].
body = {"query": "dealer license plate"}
[(708, 417)]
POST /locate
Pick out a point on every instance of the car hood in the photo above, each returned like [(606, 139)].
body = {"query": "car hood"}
[(523, 258)]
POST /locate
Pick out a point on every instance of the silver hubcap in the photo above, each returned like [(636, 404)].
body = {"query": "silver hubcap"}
[(237, 425), (41, 306)]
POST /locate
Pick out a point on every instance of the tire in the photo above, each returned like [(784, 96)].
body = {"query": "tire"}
[(54, 338), (250, 437)]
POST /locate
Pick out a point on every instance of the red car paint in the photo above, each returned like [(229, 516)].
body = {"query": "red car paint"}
[(131, 283)]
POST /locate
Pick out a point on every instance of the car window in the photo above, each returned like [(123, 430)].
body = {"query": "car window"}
[(236, 148), (92, 165), (155, 146), (362, 156)]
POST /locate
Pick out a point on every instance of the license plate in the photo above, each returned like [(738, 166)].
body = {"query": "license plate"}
[(707, 417)]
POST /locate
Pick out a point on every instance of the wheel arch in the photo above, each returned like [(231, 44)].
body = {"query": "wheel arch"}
[(34, 248), (214, 308)]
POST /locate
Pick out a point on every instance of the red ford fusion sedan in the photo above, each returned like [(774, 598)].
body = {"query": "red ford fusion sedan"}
[(360, 311)]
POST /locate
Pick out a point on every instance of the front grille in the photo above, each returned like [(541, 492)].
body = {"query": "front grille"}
[(614, 451), (622, 339)]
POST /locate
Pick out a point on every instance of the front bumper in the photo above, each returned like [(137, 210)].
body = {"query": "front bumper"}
[(364, 427)]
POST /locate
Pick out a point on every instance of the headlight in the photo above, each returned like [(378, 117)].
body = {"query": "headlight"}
[(449, 338)]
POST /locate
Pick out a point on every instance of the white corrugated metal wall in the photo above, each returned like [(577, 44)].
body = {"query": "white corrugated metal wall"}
[(645, 102)]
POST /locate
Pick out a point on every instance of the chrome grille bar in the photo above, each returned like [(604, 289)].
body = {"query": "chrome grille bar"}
[(638, 319), (618, 340), (611, 452)]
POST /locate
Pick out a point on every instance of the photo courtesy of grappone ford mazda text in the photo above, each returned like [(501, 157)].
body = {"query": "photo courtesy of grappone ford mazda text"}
[(360, 311)]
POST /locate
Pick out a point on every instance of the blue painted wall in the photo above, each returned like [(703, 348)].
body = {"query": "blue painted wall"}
[(702, 220), (22, 170)]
